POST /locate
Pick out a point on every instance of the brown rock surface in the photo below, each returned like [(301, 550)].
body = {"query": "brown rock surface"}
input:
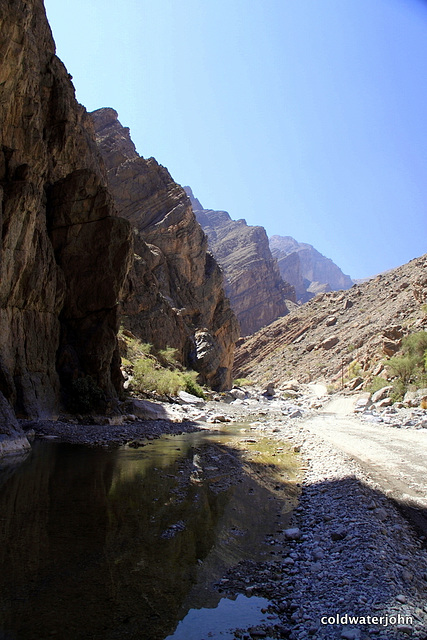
[(253, 283), (176, 295), (64, 253), (306, 269), (369, 317)]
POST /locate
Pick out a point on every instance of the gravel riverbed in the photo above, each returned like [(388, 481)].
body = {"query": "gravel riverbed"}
[(348, 566), (348, 553)]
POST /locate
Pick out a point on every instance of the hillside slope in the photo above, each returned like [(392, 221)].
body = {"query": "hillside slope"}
[(321, 339)]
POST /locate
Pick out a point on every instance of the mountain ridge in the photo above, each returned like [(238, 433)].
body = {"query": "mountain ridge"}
[(253, 283), (309, 271)]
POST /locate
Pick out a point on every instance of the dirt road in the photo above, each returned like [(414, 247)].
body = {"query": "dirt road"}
[(396, 459)]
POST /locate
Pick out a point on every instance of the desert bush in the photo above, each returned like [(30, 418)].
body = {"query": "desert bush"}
[(354, 370), (415, 346), (402, 367), (191, 384), (243, 382), (409, 369), (148, 375), (377, 384), (157, 370), (168, 356)]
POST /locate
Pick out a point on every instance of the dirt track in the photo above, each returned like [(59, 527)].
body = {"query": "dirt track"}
[(396, 459)]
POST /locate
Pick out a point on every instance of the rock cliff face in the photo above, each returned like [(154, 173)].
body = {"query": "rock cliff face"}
[(307, 269), (64, 254), (253, 283), (175, 292)]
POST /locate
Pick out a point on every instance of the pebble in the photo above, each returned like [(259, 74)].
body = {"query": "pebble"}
[(348, 550)]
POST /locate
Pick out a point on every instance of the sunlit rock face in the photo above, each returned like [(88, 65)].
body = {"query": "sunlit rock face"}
[(64, 253), (254, 285), (175, 291), (306, 269)]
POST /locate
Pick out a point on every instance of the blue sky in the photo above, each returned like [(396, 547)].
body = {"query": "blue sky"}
[(305, 116)]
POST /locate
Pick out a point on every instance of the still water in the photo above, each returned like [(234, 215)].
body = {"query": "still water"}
[(124, 543)]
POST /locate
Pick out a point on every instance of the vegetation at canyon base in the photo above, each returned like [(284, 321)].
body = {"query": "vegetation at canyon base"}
[(409, 370), (158, 371)]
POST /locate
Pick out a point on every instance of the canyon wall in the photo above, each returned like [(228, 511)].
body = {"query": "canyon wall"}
[(254, 285), (64, 253), (175, 289), (306, 269)]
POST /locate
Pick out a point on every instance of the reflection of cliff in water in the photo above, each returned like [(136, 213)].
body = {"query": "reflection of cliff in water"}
[(105, 543)]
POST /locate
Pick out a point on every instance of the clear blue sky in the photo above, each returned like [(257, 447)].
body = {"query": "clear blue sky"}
[(308, 117)]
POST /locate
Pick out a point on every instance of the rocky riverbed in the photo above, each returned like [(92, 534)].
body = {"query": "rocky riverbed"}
[(348, 565)]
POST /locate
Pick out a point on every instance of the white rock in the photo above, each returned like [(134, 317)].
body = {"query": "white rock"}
[(293, 534), (381, 394), (188, 398)]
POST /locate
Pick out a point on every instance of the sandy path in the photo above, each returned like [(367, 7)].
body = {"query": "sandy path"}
[(396, 459)]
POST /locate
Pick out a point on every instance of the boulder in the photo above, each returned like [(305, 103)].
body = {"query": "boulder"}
[(189, 398), (330, 342), (382, 393), (13, 440), (355, 383), (391, 347), (290, 385)]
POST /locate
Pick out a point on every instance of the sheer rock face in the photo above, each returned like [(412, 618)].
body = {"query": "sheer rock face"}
[(307, 269), (253, 283), (64, 253), (175, 291)]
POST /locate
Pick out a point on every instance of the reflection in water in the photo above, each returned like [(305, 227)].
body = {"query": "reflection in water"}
[(117, 544), (242, 612)]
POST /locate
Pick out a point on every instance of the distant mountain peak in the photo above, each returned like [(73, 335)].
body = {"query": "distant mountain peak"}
[(307, 269), (257, 292)]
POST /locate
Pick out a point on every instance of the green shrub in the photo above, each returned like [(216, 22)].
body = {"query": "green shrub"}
[(168, 355), (243, 382), (157, 370), (354, 370), (377, 384), (403, 367), (399, 390), (149, 376), (191, 386), (415, 346), (136, 348), (410, 368)]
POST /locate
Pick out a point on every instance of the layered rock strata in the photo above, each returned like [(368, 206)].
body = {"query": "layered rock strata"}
[(254, 285), (175, 290), (64, 252), (306, 269)]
